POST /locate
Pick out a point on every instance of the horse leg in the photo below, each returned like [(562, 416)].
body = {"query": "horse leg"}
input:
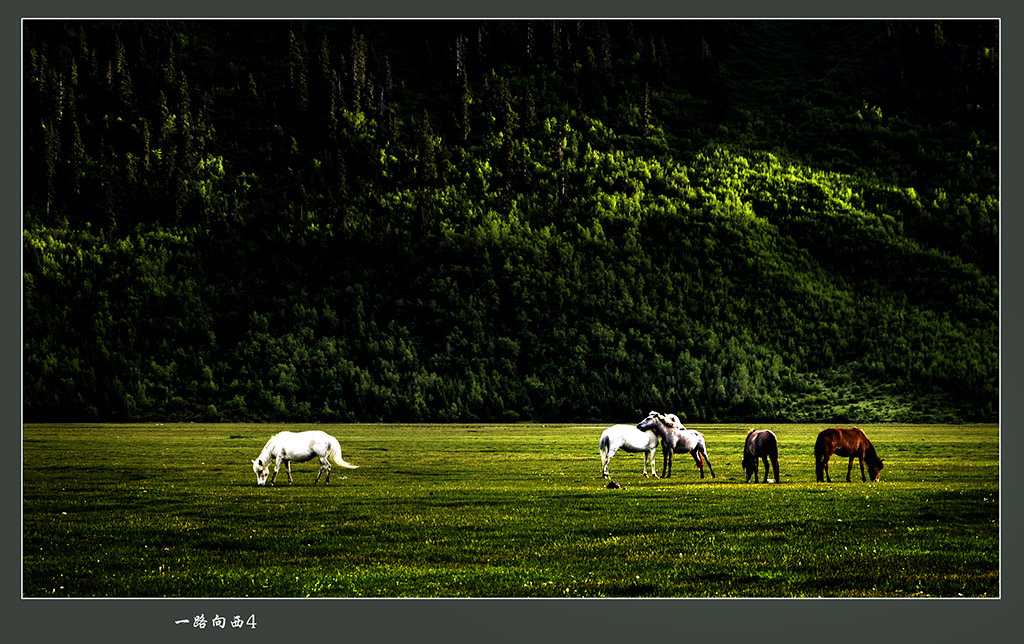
[(666, 463), (652, 456), (700, 464), (862, 477), (277, 466), (823, 470), (288, 468), (849, 469), (606, 457), (704, 453), (775, 467), (765, 459)]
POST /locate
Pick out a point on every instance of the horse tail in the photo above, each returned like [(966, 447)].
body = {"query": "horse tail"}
[(819, 456), (603, 445), (335, 455), (702, 450)]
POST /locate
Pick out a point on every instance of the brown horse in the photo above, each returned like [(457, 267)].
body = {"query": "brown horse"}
[(760, 444), (845, 441)]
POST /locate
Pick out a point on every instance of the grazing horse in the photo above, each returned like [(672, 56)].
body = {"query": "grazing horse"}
[(285, 447), (761, 444), (845, 441), (629, 439), (676, 439)]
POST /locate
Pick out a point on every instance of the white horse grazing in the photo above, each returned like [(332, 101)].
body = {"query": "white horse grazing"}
[(300, 447), (629, 439)]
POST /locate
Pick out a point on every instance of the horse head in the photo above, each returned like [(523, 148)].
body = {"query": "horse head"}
[(648, 424), (262, 470), (659, 423), (748, 463), (875, 464), (875, 469)]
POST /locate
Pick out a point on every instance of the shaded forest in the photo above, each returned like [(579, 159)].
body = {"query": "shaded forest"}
[(510, 220)]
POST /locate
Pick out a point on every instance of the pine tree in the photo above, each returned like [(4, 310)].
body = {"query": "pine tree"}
[(298, 84), (357, 78)]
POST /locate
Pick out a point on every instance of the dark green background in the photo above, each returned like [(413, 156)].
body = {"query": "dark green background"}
[(511, 220)]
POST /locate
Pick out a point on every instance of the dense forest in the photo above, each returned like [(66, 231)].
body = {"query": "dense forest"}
[(324, 221)]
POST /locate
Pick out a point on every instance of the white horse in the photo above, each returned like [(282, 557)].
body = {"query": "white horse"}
[(300, 447), (629, 439), (676, 439)]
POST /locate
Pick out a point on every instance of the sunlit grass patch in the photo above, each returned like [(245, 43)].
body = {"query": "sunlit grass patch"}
[(176, 512)]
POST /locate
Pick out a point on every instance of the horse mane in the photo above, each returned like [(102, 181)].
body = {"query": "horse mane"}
[(869, 452), (870, 447)]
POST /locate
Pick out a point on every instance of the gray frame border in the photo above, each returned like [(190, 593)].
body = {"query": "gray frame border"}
[(515, 620)]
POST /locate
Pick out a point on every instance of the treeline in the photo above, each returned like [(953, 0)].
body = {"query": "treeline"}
[(330, 221)]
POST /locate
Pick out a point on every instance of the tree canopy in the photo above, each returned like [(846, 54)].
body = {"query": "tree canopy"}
[(527, 219)]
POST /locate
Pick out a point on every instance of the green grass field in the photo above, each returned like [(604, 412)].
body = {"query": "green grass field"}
[(501, 511)]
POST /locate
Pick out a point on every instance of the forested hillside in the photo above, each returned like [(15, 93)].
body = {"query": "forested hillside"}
[(470, 220)]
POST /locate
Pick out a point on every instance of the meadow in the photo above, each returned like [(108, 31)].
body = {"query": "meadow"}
[(501, 510)]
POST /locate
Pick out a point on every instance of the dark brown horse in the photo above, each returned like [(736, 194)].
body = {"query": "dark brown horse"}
[(845, 441), (760, 444)]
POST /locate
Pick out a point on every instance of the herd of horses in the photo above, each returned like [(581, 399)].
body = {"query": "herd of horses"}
[(760, 446), (284, 448)]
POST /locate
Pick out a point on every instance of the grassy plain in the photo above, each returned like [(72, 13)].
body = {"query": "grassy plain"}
[(501, 511)]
